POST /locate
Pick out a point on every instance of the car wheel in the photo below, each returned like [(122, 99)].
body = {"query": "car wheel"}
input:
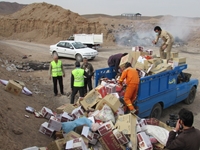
[(191, 96), (156, 111), (55, 53), (79, 57)]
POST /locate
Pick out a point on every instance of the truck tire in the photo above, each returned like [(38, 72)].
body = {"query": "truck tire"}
[(190, 99), (79, 58), (156, 111)]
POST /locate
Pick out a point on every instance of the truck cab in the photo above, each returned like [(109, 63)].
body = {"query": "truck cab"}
[(159, 91)]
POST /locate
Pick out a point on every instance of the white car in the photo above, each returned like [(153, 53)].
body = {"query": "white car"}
[(72, 49)]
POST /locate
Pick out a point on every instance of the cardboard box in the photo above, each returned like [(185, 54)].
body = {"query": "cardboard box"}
[(46, 112), (76, 144), (138, 48), (91, 99), (139, 66), (110, 88), (54, 123), (66, 117), (77, 112), (69, 108), (111, 100), (144, 141), (109, 142), (101, 90), (106, 127), (92, 137), (143, 124), (180, 61), (57, 145), (13, 87), (73, 135), (128, 58), (127, 125), (149, 51), (174, 55), (161, 68), (122, 139), (44, 129)]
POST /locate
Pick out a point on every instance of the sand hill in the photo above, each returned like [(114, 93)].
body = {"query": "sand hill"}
[(45, 23)]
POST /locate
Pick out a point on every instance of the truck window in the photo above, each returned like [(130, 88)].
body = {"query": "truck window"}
[(183, 77)]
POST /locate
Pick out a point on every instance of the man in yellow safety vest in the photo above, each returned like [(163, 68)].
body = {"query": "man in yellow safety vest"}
[(56, 72), (77, 81)]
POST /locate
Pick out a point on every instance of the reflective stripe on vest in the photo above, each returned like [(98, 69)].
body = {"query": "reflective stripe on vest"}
[(78, 74), (56, 68)]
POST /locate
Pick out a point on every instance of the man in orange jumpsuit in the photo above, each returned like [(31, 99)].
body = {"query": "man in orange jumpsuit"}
[(132, 81)]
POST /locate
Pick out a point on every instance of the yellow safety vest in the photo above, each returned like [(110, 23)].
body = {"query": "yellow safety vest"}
[(56, 68), (78, 74)]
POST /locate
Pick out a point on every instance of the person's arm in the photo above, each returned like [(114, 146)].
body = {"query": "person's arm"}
[(123, 76), (63, 71), (175, 142), (91, 70), (167, 38), (157, 38), (50, 71), (85, 74), (72, 81)]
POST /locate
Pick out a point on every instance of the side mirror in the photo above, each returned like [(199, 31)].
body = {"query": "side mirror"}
[(71, 48)]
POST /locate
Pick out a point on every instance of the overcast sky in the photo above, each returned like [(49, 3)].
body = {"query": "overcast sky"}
[(188, 8)]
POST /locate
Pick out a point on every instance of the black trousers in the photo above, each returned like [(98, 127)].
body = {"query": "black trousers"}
[(75, 91), (60, 80), (87, 83)]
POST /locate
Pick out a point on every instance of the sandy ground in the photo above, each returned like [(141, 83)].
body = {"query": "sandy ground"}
[(41, 53)]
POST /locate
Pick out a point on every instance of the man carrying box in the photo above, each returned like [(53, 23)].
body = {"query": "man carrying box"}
[(114, 61), (132, 81)]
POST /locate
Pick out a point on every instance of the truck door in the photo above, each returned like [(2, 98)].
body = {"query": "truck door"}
[(182, 88)]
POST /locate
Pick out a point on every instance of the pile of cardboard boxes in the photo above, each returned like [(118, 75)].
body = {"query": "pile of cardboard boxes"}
[(148, 64), (119, 134)]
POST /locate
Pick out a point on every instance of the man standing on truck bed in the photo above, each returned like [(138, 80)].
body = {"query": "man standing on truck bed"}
[(168, 42), (132, 81), (186, 138), (90, 71), (114, 61)]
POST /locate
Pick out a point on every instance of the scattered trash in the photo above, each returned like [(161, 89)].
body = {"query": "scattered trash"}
[(26, 116), (30, 109)]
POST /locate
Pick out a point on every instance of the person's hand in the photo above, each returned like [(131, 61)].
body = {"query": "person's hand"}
[(63, 75), (154, 42), (49, 77), (163, 47), (177, 128)]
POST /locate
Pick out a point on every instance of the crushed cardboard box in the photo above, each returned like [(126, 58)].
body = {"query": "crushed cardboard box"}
[(13, 87)]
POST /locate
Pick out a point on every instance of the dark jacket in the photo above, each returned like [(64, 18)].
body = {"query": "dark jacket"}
[(114, 61), (88, 69), (187, 140)]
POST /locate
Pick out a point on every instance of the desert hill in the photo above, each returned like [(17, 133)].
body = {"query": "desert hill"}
[(9, 8), (46, 23)]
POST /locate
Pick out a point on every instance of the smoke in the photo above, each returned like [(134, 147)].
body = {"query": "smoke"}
[(141, 32)]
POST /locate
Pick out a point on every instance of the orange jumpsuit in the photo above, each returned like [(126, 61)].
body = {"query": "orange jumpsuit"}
[(132, 81)]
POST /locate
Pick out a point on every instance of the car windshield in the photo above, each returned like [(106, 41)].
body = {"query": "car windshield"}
[(78, 45)]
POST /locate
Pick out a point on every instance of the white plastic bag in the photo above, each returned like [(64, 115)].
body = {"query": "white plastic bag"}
[(105, 114), (161, 134)]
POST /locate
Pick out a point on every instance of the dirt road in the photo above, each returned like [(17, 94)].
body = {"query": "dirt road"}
[(40, 52)]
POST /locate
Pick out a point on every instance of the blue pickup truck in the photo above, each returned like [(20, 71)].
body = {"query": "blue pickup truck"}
[(159, 91)]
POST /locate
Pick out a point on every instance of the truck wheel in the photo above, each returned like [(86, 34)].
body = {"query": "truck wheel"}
[(156, 111), (191, 96), (79, 57)]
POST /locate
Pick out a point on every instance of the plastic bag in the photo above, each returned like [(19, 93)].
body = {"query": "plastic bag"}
[(105, 114)]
